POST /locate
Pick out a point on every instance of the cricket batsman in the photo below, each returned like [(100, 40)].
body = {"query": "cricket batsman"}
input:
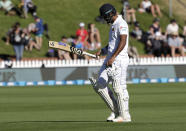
[(114, 68)]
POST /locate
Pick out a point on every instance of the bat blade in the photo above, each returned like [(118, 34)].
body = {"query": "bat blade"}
[(57, 45), (66, 47)]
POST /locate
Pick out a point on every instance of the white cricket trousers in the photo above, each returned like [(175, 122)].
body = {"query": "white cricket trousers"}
[(121, 63)]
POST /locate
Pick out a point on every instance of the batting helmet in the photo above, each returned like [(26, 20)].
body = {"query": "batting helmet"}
[(107, 11)]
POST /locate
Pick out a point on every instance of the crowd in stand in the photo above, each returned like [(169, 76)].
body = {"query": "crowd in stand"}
[(157, 42), (30, 37), (22, 10), (87, 37), (24, 38)]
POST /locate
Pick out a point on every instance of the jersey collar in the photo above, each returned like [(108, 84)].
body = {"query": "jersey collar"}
[(117, 19)]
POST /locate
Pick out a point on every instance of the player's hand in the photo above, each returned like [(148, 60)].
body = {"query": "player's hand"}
[(110, 61)]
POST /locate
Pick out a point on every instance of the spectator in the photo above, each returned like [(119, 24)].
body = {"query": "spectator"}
[(157, 45), (147, 6), (137, 32), (184, 30), (128, 12), (29, 7), (150, 35), (133, 52), (82, 36), (175, 44), (94, 36), (46, 31), (63, 54), (29, 41), (16, 39), (165, 47), (51, 53), (31, 27), (39, 29), (172, 27), (155, 27), (184, 36), (9, 8), (10, 31)]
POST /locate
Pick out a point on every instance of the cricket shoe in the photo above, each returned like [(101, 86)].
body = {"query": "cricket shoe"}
[(111, 117), (121, 119)]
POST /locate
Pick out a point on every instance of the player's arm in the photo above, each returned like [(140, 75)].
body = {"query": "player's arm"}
[(123, 31)]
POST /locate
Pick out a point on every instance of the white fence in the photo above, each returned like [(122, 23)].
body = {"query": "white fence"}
[(84, 63)]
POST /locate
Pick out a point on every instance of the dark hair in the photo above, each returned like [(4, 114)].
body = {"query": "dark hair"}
[(17, 24), (36, 17), (136, 24), (73, 36), (156, 20), (172, 20), (89, 25), (63, 37)]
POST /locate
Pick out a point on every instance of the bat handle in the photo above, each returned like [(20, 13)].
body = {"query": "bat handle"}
[(88, 54)]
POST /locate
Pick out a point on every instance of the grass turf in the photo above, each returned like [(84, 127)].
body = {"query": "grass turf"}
[(153, 107)]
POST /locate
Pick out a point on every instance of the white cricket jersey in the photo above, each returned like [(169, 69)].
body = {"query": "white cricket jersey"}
[(119, 27)]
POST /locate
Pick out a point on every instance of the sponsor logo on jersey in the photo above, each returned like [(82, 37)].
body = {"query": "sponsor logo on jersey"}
[(123, 28)]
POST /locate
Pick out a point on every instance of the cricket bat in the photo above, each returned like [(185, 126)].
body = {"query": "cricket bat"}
[(66, 47)]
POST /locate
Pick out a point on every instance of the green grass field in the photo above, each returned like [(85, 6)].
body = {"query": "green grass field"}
[(154, 107)]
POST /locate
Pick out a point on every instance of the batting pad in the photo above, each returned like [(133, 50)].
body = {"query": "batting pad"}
[(106, 94), (122, 106)]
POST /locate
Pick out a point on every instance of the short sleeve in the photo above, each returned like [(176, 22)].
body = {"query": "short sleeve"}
[(123, 29)]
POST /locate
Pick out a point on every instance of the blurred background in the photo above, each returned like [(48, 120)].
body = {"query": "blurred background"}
[(157, 39), (62, 19)]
